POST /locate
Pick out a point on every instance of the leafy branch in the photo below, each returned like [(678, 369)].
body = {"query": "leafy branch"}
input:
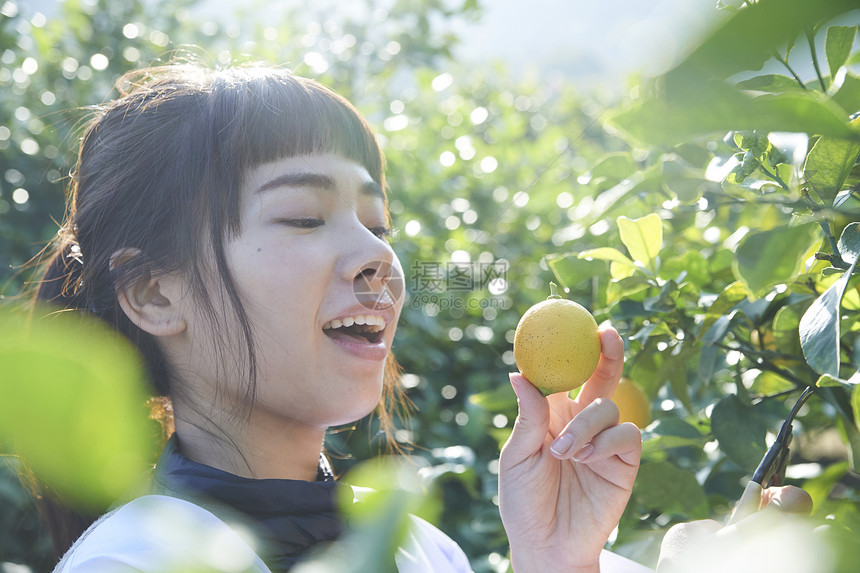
[(810, 38), (784, 61)]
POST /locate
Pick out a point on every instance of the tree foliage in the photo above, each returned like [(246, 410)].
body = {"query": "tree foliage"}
[(710, 217)]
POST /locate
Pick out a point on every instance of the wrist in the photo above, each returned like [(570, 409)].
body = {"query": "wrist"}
[(541, 562)]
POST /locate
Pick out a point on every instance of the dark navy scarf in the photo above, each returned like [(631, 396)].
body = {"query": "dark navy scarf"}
[(288, 517)]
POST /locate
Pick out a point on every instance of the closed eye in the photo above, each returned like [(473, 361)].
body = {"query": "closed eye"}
[(302, 222)]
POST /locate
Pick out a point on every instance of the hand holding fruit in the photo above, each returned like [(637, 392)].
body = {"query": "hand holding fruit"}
[(567, 469)]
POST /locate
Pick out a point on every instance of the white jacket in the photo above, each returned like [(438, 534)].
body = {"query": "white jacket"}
[(161, 534)]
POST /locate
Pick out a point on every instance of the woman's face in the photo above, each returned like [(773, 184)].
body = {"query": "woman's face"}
[(311, 264)]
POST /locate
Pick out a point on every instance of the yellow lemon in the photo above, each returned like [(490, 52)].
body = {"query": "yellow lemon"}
[(556, 344), (633, 404)]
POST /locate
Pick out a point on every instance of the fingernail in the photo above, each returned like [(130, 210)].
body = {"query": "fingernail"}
[(561, 445), (583, 453)]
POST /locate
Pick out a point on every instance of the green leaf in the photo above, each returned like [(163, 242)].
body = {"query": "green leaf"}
[(665, 487), (855, 404), (772, 83), (378, 513), (772, 257), (828, 164), (828, 381), (820, 487), (615, 166), (746, 40), (739, 432), (849, 243), (724, 303), (607, 254), (74, 405), (570, 268), (848, 96), (643, 238), (719, 328), (692, 264), (819, 328), (670, 432), (716, 108), (838, 45), (674, 370)]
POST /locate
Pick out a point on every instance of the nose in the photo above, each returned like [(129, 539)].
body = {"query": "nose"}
[(375, 272)]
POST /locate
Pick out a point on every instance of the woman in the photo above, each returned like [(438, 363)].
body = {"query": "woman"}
[(232, 224)]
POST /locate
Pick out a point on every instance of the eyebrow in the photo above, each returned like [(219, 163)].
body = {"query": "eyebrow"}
[(317, 181)]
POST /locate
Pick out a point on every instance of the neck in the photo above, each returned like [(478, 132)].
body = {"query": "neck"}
[(264, 446)]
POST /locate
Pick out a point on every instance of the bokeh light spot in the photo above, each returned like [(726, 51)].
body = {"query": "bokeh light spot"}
[(489, 164), (20, 196), (99, 62), (442, 81), (130, 31)]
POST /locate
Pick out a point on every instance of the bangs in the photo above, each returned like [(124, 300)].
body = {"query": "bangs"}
[(263, 115), (263, 118)]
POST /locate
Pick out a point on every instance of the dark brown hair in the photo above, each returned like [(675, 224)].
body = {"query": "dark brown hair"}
[(159, 171)]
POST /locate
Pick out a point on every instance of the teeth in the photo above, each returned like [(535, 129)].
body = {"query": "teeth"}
[(370, 322)]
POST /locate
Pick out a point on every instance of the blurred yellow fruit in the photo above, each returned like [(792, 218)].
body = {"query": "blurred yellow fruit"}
[(556, 344), (633, 404)]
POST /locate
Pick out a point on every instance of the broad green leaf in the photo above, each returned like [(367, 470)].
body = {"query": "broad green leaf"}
[(828, 164), (769, 383), (667, 488), (746, 40), (819, 488), (772, 83), (848, 96), (708, 359), (654, 446), (74, 405), (607, 254), (852, 437), (670, 432), (724, 303), (643, 238), (838, 45), (739, 432), (717, 108), (692, 263), (772, 257), (819, 328), (614, 166), (828, 381), (378, 512), (570, 269), (849, 243), (619, 271), (624, 289), (672, 426), (675, 371), (719, 328)]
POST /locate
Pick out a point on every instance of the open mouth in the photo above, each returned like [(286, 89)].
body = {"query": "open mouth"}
[(365, 329)]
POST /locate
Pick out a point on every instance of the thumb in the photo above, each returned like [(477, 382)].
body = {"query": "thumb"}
[(532, 421)]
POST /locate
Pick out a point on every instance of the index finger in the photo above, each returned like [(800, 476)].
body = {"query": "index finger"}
[(603, 382)]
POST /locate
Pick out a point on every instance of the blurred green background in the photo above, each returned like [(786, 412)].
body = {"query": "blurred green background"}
[(502, 181)]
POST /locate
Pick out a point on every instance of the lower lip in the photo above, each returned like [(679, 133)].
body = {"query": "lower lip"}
[(375, 352)]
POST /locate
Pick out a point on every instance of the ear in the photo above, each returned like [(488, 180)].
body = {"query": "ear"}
[(151, 302)]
